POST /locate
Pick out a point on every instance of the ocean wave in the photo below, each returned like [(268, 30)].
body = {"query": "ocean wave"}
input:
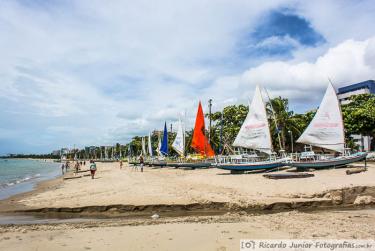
[(19, 180)]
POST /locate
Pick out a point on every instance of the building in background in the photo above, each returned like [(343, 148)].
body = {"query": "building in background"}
[(344, 94), (365, 87)]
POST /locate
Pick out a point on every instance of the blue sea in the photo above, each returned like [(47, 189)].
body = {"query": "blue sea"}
[(18, 176)]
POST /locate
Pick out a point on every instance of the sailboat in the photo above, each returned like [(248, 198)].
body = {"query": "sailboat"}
[(326, 130), (162, 149), (143, 147), (164, 145), (179, 142), (199, 143), (149, 145), (254, 134)]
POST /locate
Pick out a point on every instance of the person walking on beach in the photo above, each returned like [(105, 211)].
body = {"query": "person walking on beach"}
[(120, 164), (62, 168), (76, 167), (141, 162), (92, 169)]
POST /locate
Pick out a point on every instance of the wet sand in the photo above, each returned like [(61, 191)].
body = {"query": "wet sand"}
[(190, 233)]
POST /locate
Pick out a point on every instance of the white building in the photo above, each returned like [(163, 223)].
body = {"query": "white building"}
[(344, 93)]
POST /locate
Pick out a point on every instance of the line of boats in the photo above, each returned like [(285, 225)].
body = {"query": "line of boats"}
[(326, 130)]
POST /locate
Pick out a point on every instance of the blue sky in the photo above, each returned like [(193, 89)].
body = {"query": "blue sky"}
[(95, 73)]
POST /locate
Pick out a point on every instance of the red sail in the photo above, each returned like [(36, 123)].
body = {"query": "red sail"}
[(200, 143)]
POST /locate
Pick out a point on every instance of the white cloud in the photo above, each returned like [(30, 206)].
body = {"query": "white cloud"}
[(303, 82), (89, 72)]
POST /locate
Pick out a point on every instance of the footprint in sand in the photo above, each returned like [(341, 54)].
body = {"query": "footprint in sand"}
[(87, 248)]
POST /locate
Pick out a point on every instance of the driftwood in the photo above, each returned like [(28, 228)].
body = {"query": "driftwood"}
[(356, 170), (278, 176), (73, 177)]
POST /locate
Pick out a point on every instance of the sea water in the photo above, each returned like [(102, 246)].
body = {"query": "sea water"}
[(18, 175)]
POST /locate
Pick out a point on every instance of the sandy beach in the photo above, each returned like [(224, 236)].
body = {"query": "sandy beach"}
[(208, 209), (190, 233), (167, 186)]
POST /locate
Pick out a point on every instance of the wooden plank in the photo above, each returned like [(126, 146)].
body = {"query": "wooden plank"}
[(356, 170), (277, 176)]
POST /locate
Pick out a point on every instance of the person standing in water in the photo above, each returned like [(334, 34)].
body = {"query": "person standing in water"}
[(92, 169)]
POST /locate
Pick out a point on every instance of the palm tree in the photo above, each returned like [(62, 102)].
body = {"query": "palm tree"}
[(287, 123)]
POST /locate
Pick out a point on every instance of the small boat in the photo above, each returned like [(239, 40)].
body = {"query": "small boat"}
[(205, 154), (254, 134), (340, 161), (326, 130), (249, 166), (157, 162), (161, 150)]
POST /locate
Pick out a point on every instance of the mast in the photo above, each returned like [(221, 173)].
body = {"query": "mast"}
[(274, 120)]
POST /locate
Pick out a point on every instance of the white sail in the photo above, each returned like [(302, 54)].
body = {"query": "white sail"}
[(179, 142), (143, 147), (255, 132), (159, 146), (326, 130), (149, 144)]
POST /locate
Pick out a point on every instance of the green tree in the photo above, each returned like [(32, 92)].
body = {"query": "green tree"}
[(289, 125), (359, 115), (231, 120)]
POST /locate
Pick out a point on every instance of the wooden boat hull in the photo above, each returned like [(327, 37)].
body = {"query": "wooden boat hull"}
[(194, 165), (332, 163), (262, 165), (158, 163)]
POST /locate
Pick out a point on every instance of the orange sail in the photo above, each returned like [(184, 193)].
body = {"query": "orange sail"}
[(200, 143)]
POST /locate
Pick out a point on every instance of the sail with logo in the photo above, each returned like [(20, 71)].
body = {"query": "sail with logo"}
[(326, 130), (254, 134)]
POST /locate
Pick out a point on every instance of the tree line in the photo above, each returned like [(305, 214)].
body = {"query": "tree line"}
[(358, 116)]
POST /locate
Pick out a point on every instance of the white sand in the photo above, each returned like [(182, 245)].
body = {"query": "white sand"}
[(174, 186)]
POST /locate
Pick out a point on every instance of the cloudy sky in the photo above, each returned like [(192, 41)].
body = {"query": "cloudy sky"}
[(93, 72)]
